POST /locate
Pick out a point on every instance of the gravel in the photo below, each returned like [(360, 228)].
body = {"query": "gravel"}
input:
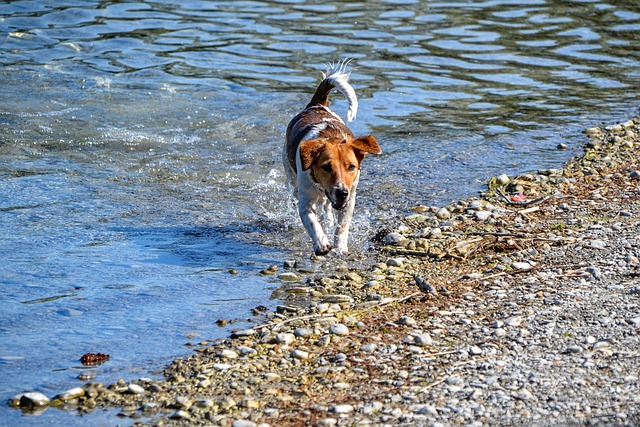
[(535, 321)]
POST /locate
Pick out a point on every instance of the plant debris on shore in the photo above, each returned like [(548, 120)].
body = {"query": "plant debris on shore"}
[(521, 307)]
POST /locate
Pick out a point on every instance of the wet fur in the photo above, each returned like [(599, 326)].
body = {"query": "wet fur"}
[(322, 158)]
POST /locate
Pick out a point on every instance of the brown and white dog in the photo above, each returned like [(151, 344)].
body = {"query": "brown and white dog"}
[(322, 159)]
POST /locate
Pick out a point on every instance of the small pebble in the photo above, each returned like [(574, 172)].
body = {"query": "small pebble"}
[(68, 395), (394, 239), (423, 340), (338, 329), (369, 348), (300, 354), (443, 213), (135, 389), (372, 408), (289, 277), (573, 349), (597, 244), (634, 321), (395, 262), (513, 321), (303, 332), (407, 321), (341, 409), (482, 215), (243, 333), (228, 354), (524, 266), (524, 394), (503, 179), (180, 415), (285, 339), (475, 350), (33, 399)]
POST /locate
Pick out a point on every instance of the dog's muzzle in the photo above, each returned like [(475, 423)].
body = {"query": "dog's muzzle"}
[(340, 199)]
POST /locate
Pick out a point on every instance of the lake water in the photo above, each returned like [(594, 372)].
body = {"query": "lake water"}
[(140, 151)]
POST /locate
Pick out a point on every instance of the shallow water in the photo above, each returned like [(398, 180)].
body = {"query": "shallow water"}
[(140, 150)]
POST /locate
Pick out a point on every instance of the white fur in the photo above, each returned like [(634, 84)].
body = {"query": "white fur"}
[(337, 74)]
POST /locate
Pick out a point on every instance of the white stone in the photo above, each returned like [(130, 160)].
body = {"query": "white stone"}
[(597, 244), (503, 179), (243, 333), (300, 354), (524, 266), (33, 399), (443, 213), (524, 394), (422, 340), (285, 338), (407, 321), (246, 351), (513, 321), (371, 408), (482, 215), (476, 205), (369, 348), (135, 389), (600, 345), (395, 262), (394, 239), (338, 329), (341, 409), (634, 321), (228, 354), (289, 277), (68, 395), (475, 350), (427, 410), (221, 366)]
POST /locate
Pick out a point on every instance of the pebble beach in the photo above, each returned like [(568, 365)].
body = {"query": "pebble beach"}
[(518, 307)]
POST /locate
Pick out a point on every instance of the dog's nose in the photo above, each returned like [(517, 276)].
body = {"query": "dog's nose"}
[(342, 194)]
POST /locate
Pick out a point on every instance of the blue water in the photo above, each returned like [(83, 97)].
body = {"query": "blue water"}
[(140, 151)]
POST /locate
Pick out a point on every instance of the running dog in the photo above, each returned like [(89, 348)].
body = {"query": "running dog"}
[(322, 159)]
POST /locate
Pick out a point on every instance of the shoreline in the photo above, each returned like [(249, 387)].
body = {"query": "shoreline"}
[(518, 307)]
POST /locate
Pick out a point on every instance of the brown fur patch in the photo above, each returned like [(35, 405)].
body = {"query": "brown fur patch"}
[(336, 161), (337, 164)]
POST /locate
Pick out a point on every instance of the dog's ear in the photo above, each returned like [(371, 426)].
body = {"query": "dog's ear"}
[(367, 144), (309, 152)]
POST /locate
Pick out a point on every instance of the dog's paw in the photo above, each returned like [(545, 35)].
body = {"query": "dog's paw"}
[(322, 249), (343, 250)]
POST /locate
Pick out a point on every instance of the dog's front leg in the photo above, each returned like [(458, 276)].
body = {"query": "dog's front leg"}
[(342, 228), (329, 217), (309, 216)]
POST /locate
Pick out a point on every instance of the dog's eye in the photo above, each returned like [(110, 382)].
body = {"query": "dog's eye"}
[(327, 167), (351, 168)]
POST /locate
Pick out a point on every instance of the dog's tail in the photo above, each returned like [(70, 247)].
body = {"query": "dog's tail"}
[(338, 77)]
